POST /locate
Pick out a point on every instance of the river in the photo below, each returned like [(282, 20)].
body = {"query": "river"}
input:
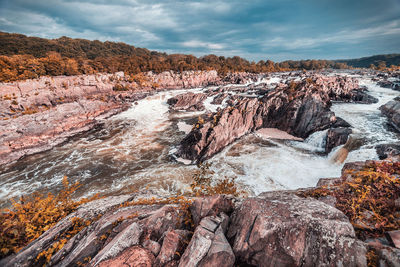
[(132, 151)]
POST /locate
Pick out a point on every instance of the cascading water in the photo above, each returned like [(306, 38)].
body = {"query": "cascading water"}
[(132, 152)]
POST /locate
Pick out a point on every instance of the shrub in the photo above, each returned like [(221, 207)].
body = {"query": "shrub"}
[(120, 87), (203, 184), (30, 217), (29, 111), (368, 198)]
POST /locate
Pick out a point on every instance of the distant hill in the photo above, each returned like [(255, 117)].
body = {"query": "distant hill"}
[(365, 62), (19, 44), (24, 57)]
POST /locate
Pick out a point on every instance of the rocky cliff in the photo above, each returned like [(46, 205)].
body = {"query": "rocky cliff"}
[(299, 108), (36, 115)]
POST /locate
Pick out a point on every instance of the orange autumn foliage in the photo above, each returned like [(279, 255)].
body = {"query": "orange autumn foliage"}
[(30, 217), (203, 185), (368, 198)]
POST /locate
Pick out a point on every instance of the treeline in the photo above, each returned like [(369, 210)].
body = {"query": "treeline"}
[(23, 57), (376, 62)]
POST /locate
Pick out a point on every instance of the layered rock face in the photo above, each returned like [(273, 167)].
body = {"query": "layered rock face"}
[(36, 115), (392, 111), (336, 137), (281, 229), (395, 85), (300, 109), (187, 101), (274, 229)]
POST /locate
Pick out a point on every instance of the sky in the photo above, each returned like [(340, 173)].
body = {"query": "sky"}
[(257, 30)]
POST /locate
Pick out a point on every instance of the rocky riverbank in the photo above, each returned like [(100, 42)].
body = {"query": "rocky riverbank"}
[(36, 115), (350, 220), (283, 228), (298, 107)]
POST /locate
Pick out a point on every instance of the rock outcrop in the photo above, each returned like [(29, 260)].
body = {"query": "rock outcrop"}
[(209, 246), (392, 111), (273, 229), (395, 85), (36, 115), (385, 151), (281, 229), (336, 137), (300, 109), (187, 101)]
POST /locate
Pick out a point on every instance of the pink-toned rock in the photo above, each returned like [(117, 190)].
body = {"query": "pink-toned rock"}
[(152, 246), (298, 109), (274, 133), (394, 238), (133, 256), (187, 101), (210, 206), (63, 106), (129, 237), (208, 246), (162, 220), (282, 229), (173, 245)]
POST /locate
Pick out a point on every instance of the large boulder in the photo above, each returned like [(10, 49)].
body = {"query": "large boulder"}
[(336, 137), (282, 229), (210, 206), (133, 256), (225, 127), (392, 111), (387, 150)]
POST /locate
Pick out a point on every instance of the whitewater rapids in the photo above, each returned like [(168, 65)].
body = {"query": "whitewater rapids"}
[(132, 152)]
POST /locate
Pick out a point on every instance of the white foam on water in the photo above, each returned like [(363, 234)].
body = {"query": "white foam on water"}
[(366, 119), (315, 142), (279, 167), (184, 127), (150, 113), (213, 107), (134, 152), (273, 80)]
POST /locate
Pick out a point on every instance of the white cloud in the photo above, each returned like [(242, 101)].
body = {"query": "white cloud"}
[(344, 36), (200, 44)]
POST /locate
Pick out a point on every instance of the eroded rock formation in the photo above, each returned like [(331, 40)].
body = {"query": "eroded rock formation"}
[(187, 101), (392, 111), (300, 109), (273, 229), (36, 115)]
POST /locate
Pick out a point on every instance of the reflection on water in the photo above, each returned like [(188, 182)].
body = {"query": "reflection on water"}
[(131, 152)]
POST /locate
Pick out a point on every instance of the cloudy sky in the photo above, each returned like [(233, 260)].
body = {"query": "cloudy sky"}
[(254, 29)]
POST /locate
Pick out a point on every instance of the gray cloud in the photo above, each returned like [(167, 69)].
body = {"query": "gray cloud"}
[(277, 29)]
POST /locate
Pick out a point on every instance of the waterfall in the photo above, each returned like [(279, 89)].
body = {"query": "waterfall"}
[(315, 142)]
